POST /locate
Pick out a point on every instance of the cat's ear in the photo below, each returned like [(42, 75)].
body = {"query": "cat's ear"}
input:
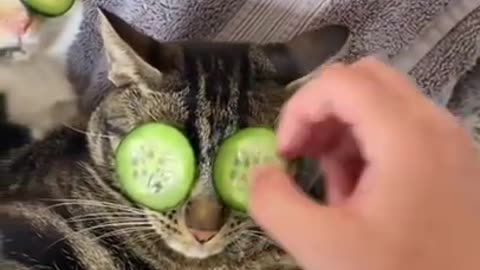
[(130, 53), (294, 59)]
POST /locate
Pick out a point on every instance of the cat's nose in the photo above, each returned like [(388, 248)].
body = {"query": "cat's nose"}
[(202, 236), (14, 18), (204, 218), (15, 25)]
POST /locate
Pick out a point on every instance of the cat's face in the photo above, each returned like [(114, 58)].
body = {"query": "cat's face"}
[(208, 91), (23, 30)]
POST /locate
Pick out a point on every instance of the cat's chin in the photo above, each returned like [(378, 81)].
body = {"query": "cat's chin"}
[(194, 250), (183, 242)]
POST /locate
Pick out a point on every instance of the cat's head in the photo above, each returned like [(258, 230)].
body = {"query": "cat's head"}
[(24, 30), (208, 91)]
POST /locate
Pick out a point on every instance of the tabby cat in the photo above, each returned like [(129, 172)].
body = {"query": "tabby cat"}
[(37, 95), (61, 206)]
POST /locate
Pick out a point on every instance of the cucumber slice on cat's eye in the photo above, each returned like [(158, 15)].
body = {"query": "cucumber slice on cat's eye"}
[(236, 157), (155, 165), (49, 8)]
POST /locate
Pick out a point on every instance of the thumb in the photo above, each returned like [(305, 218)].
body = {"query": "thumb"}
[(301, 226)]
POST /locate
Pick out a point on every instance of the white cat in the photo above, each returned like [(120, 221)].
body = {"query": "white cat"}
[(33, 55)]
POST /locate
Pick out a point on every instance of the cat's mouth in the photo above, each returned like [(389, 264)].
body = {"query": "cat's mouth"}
[(16, 45), (7, 52), (9, 45)]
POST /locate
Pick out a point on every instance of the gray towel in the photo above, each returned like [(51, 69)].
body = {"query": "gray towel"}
[(435, 41)]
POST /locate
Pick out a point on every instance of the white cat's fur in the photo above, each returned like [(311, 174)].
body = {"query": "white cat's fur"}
[(38, 94), (34, 81)]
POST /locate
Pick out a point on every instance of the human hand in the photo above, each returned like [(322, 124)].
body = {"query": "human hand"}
[(402, 177)]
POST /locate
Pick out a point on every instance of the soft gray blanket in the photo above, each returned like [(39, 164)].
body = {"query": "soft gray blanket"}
[(435, 41)]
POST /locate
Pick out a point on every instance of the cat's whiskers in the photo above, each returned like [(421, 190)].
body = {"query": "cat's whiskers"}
[(115, 224), (247, 225), (254, 235), (236, 249), (151, 237), (87, 133), (123, 232), (136, 225), (82, 202), (259, 235), (106, 217), (109, 213), (143, 235), (243, 235), (249, 246), (89, 182), (144, 110), (90, 173), (86, 203)]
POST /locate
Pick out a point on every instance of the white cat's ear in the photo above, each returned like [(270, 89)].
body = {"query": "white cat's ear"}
[(123, 62)]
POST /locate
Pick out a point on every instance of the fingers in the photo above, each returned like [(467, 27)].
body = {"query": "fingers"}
[(371, 67), (358, 99), (380, 144), (342, 167), (273, 194), (280, 208)]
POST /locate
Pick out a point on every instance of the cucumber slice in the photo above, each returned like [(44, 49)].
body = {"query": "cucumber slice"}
[(49, 8), (236, 157), (155, 165)]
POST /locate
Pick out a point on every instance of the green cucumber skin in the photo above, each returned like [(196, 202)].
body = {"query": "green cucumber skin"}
[(266, 136), (31, 4), (147, 134)]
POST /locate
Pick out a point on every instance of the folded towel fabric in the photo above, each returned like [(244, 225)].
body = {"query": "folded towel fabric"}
[(434, 41)]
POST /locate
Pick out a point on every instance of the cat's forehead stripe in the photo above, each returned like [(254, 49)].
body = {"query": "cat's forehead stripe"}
[(245, 83), (216, 101), (191, 76), (223, 72)]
